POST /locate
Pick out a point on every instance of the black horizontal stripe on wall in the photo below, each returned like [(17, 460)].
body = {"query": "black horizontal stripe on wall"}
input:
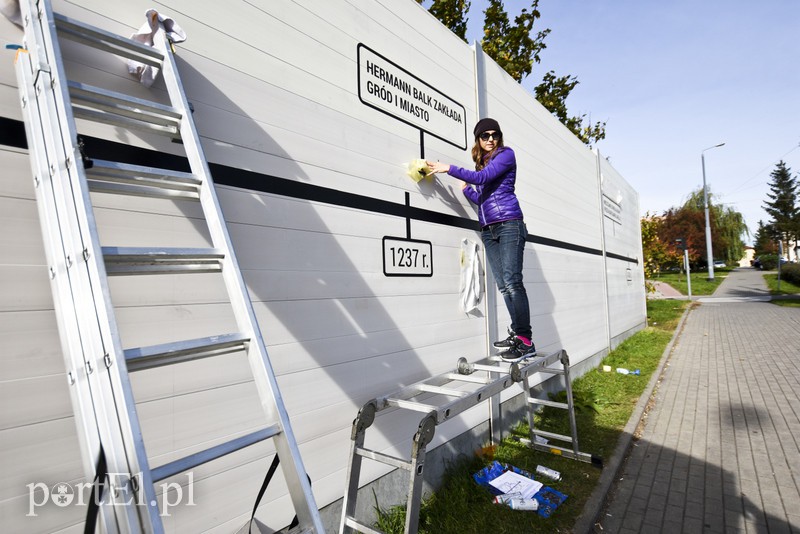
[(12, 133)]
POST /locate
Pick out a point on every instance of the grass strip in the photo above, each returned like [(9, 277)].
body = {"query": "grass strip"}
[(700, 283), (787, 288)]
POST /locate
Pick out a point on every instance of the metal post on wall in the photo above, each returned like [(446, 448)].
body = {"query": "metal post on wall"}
[(481, 104), (607, 309)]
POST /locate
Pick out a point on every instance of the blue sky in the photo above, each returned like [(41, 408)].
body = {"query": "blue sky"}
[(673, 77)]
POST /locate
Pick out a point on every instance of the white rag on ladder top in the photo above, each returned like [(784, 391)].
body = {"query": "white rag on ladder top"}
[(146, 35), (471, 286)]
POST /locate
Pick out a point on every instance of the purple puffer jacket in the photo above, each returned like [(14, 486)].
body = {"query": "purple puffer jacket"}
[(494, 187)]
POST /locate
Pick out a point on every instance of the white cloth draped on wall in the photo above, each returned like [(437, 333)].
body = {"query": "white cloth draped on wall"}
[(471, 286)]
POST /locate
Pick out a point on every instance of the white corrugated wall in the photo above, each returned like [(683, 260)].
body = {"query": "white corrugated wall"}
[(310, 181)]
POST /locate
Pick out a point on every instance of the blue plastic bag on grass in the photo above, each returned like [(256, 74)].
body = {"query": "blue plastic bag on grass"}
[(493, 471), (548, 499)]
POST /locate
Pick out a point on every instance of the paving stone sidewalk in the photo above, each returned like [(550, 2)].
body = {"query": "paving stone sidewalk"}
[(719, 450)]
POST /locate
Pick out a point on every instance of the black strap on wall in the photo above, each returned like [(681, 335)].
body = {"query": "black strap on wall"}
[(96, 496), (270, 472)]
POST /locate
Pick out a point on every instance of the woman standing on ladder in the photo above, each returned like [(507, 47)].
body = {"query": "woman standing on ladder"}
[(491, 187)]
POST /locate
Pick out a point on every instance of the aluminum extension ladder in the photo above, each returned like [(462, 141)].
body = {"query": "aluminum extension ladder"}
[(441, 398), (97, 365)]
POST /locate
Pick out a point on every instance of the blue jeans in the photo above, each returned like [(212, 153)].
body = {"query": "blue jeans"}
[(505, 244)]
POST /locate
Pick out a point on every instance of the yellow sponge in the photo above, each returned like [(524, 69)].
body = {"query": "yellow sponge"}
[(418, 169)]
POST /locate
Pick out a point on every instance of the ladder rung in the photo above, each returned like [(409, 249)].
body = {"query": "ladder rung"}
[(552, 371), (115, 101), (183, 351), (360, 527), (551, 435), (384, 458), (552, 404), (107, 41), (427, 388), (491, 368), (124, 122), (123, 178), (110, 107), (569, 453), (192, 461), (411, 405), (133, 260), (468, 378), (141, 190)]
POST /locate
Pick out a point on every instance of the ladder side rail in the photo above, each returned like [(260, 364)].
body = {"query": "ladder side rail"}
[(363, 420), (422, 438), (113, 399), (494, 408), (414, 499), (551, 404), (54, 248), (570, 403), (530, 411), (266, 383)]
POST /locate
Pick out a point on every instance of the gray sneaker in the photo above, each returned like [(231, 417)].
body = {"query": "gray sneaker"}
[(518, 350), (507, 342)]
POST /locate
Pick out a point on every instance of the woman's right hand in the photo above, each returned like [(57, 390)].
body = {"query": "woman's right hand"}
[(437, 167)]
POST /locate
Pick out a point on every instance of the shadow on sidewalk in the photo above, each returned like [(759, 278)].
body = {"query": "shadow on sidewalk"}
[(662, 490)]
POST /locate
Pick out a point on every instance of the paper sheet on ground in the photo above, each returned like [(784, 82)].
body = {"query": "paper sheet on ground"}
[(510, 482)]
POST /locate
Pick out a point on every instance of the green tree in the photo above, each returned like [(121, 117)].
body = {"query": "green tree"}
[(727, 227), (516, 47), (512, 46), (730, 227), (552, 93), (688, 223), (657, 253), (765, 240), (783, 209), (451, 13)]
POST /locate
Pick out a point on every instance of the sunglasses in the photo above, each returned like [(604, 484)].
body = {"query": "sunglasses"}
[(496, 136)]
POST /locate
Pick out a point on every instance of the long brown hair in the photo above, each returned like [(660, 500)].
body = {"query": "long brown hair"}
[(478, 154)]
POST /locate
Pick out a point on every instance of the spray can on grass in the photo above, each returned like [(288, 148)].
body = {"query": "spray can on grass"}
[(548, 473), (516, 501)]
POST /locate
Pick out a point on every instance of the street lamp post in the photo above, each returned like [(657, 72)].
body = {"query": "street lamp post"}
[(709, 252)]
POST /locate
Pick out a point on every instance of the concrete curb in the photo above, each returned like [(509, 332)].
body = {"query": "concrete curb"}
[(597, 500)]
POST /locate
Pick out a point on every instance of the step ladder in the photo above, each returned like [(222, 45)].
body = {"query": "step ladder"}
[(441, 398), (97, 365)]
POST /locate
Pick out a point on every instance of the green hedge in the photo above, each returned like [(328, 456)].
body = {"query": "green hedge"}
[(791, 273)]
